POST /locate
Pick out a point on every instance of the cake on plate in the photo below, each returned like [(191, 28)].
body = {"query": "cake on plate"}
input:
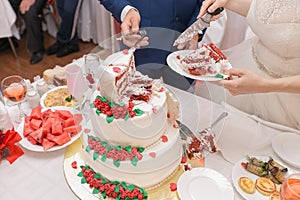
[(208, 60), (134, 144)]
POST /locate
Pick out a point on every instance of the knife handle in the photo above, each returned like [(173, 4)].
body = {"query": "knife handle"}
[(216, 12)]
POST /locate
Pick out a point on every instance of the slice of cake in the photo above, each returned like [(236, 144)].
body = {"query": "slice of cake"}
[(205, 61)]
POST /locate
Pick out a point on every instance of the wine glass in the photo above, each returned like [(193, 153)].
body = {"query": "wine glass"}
[(91, 66), (75, 82), (290, 188), (14, 89)]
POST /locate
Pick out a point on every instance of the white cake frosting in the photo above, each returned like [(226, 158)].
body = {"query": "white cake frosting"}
[(156, 120)]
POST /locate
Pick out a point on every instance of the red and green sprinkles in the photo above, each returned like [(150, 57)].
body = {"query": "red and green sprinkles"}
[(115, 110), (103, 151), (110, 189)]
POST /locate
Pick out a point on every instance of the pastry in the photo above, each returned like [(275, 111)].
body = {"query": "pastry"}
[(265, 186), (247, 185)]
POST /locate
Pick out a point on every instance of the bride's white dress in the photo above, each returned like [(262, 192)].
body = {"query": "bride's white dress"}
[(273, 53)]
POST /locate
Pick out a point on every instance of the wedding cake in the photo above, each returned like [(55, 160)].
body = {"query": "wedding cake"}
[(135, 140)]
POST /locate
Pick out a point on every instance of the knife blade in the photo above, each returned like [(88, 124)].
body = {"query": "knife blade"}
[(197, 27)]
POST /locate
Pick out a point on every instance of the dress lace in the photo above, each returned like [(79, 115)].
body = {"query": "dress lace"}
[(278, 11)]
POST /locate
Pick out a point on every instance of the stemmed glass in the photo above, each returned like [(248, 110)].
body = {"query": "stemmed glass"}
[(91, 67), (290, 188), (14, 89)]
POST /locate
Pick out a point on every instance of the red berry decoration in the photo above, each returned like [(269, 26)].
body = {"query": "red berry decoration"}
[(164, 138), (90, 78), (183, 160), (74, 165), (117, 69), (178, 57), (125, 51), (173, 187), (87, 130), (161, 89)]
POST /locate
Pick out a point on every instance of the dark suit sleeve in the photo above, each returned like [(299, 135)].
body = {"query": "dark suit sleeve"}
[(115, 7)]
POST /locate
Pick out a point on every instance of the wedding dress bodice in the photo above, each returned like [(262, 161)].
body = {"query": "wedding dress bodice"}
[(277, 25)]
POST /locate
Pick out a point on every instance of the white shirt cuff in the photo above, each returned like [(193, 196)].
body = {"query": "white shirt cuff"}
[(125, 11)]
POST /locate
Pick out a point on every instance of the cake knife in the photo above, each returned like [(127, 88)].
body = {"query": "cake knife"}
[(197, 27)]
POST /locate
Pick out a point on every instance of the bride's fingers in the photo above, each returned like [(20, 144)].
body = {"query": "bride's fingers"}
[(235, 72), (210, 6)]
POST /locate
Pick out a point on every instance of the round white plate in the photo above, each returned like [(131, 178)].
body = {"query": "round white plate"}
[(287, 147), (204, 183), (38, 148), (174, 64), (46, 93), (238, 171)]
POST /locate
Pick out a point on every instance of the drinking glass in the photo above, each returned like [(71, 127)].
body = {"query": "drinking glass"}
[(290, 189), (75, 82), (14, 89), (91, 68)]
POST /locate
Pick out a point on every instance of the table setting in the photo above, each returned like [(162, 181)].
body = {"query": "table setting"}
[(51, 173)]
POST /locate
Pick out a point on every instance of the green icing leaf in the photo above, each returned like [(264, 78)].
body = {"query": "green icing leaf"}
[(98, 97), (119, 148), (111, 104), (108, 148), (118, 197), (128, 149), (123, 184), (138, 112), (103, 158), (92, 105), (136, 198), (104, 194), (80, 174), (96, 139), (110, 119), (95, 156), (219, 76), (83, 180), (104, 181), (115, 182), (127, 116), (121, 104), (103, 99), (134, 161), (98, 112), (97, 176), (117, 189), (104, 143), (131, 187), (140, 149), (96, 191), (117, 163), (88, 149)]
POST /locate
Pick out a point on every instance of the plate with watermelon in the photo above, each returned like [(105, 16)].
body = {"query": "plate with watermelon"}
[(50, 129)]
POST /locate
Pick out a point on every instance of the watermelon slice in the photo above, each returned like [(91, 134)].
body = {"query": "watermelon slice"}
[(64, 114), (35, 123), (47, 144), (36, 112), (62, 139), (37, 135), (56, 127)]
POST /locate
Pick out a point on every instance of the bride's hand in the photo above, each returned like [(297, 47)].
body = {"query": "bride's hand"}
[(244, 82), (211, 6)]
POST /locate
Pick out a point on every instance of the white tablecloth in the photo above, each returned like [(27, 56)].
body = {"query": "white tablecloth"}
[(40, 176), (7, 22)]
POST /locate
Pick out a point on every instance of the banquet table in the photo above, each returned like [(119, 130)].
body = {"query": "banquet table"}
[(40, 176)]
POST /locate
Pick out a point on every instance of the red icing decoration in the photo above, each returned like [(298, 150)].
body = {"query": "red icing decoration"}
[(183, 160), (175, 126), (154, 110), (187, 167), (178, 57), (164, 138), (152, 154), (74, 165), (110, 65), (173, 187), (117, 69), (99, 88), (125, 51), (90, 78), (168, 115), (161, 89), (87, 130)]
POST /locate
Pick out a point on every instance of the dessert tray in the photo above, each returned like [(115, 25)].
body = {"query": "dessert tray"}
[(204, 183), (174, 64), (238, 171), (286, 146), (38, 148)]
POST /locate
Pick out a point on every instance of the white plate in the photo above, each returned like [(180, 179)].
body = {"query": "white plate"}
[(39, 148), (204, 183), (174, 64), (287, 147), (51, 90), (238, 171)]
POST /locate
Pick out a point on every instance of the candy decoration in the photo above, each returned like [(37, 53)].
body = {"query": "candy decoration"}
[(74, 165), (173, 187), (87, 130), (183, 160), (152, 154), (164, 138), (116, 69), (125, 51)]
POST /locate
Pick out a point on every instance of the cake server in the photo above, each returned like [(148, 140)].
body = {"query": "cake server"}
[(208, 129), (197, 27)]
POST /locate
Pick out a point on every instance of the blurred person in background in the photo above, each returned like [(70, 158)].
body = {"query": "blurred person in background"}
[(66, 38)]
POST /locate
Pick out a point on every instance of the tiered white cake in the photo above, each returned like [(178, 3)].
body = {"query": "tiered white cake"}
[(135, 138)]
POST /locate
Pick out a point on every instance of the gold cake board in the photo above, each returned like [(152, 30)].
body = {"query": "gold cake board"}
[(83, 192)]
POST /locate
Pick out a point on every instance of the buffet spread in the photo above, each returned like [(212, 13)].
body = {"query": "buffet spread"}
[(126, 141)]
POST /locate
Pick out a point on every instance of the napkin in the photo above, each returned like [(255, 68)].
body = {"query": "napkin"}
[(5, 121), (243, 135)]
